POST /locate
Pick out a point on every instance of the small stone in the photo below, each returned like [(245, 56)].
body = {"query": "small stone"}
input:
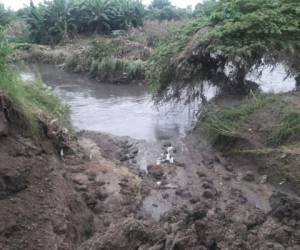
[(249, 176), (200, 174), (195, 200), (167, 144), (80, 179), (263, 179), (226, 178), (228, 168), (155, 171), (208, 194), (154, 205)]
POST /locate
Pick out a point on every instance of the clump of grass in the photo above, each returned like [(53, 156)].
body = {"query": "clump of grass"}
[(224, 125), (32, 98), (100, 48), (27, 98), (288, 129), (110, 67)]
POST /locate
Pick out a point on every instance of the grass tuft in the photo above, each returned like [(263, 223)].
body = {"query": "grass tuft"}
[(288, 129), (223, 125)]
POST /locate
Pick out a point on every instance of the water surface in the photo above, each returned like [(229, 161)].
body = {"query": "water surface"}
[(128, 110), (122, 110)]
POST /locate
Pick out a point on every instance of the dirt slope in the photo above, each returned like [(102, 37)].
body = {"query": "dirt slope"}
[(97, 197)]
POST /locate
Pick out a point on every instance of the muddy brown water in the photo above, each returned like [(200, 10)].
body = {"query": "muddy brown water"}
[(128, 110)]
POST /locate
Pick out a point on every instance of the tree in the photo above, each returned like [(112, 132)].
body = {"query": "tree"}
[(205, 8), (6, 15), (241, 34), (160, 4)]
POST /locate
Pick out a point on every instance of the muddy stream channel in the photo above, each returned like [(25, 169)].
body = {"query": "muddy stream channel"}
[(126, 112)]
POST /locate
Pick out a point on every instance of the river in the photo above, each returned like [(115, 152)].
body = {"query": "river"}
[(128, 110)]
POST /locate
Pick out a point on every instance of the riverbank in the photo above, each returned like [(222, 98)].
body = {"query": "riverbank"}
[(262, 132), (96, 196), (118, 58)]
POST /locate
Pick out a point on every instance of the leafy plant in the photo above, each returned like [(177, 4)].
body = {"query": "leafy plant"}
[(239, 34)]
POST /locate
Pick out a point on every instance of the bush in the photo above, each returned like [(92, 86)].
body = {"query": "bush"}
[(241, 34)]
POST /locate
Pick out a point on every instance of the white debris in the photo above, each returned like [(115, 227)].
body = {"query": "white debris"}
[(61, 153)]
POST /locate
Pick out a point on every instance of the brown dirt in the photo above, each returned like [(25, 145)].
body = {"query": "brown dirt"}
[(94, 198)]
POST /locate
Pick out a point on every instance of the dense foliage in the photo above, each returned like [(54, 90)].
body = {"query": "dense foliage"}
[(6, 15), (58, 20), (164, 10), (238, 35), (204, 8)]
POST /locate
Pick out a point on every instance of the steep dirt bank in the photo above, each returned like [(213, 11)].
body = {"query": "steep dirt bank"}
[(38, 207), (99, 196)]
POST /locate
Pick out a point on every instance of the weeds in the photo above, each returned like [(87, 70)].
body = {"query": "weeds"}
[(28, 98), (288, 129), (225, 124), (110, 67)]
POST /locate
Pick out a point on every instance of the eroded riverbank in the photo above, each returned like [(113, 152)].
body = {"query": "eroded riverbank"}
[(116, 196)]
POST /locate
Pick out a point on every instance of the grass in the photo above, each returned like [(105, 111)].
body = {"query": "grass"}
[(30, 99), (110, 66), (263, 131), (288, 129), (224, 125)]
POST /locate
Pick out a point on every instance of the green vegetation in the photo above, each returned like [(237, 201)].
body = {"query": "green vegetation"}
[(164, 10), (288, 130), (242, 34), (109, 67), (205, 8), (29, 98), (6, 16), (58, 20), (110, 59), (262, 131), (224, 125)]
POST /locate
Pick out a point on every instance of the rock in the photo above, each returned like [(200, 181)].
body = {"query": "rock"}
[(200, 174), (285, 206), (81, 188), (155, 171), (101, 194), (195, 200), (80, 179), (183, 193), (134, 151), (263, 179), (207, 194), (11, 181), (207, 185), (226, 177), (124, 157), (249, 176), (228, 167), (167, 144)]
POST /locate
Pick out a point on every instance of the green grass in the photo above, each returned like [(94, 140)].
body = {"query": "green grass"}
[(288, 129), (30, 99), (109, 67), (223, 125)]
